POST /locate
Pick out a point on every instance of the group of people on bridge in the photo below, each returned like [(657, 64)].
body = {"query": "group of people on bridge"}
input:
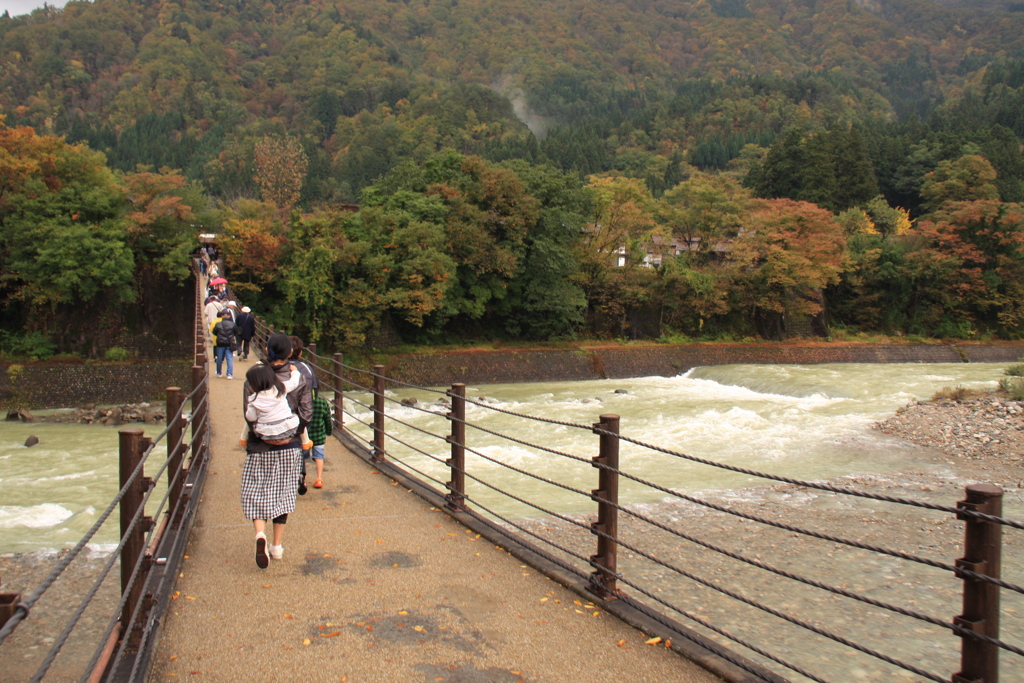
[(286, 421)]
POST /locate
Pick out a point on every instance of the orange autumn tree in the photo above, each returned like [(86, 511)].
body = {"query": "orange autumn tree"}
[(281, 166), (786, 254), (253, 238), (981, 244), (160, 220)]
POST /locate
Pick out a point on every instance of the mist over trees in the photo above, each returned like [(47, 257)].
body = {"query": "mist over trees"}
[(522, 170)]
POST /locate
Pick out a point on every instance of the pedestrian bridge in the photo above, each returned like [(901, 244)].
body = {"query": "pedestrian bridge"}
[(392, 574)]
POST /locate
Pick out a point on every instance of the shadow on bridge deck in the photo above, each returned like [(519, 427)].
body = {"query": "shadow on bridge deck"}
[(376, 585)]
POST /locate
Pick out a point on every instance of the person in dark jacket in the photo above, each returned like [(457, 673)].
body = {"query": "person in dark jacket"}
[(270, 475), (224, 342), (245, 324)]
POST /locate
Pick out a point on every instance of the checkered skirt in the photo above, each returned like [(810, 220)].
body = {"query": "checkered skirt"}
[(270, 482)]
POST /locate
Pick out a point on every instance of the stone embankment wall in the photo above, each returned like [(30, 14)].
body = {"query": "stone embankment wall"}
[(547, 365), (58, 385)]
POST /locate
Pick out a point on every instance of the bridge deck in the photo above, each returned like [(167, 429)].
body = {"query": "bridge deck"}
[(376, 586)]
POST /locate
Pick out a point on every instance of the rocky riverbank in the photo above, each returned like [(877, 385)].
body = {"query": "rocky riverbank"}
[(989, 427), (145, 413)]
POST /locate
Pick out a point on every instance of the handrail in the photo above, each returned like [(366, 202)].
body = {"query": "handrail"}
[(140, 534), (970, 571)]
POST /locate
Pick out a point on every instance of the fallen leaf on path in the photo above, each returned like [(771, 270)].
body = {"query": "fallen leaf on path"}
[(621, 642), (305, 641), (331, 634), (653, 641), (288, 616)]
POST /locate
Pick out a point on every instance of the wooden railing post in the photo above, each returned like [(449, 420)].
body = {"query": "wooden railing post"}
[(457, 486), (132, 444), (606, 528), (378, 413), (339, 391), (175, 447), (979, 661), (199, 409)]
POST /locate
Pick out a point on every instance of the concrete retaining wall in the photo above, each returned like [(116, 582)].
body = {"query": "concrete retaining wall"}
[(546, 365), (42, 385)]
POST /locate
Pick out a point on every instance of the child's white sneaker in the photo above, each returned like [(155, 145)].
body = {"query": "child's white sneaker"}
[(277, 551)]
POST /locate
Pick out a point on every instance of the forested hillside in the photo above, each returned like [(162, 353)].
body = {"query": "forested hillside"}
[(892, 128), (605, 86)]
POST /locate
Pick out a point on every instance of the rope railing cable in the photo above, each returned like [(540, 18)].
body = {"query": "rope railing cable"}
[(821, 487), (525, 472), (399, 382), (363, 440), (714, 647), (553, 451), (85, 539), (359, 403), (139, 514), (770, 610), (935, 621), (414, 428), (525, 416), (118, 656), (398, 401), (401, 463), (958, 571), (22, 609), (365, 424), (535, 506), (418, 450), (564, 565)]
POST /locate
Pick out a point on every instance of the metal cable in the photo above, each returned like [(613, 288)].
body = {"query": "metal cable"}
[(958, 630), (551, 513), (523, 415), (420, 451), (821, 487), (525, 472), (524, 443), (714, 647), (958, 571), (415, 428), (22, 609), (401, 463), (139, 514), (365, 424), (416, 386), (774, 612), (551, 558)]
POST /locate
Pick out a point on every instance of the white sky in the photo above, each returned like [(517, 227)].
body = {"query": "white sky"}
[(16, 7)]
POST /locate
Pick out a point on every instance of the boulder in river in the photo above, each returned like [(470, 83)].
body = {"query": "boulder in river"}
[(31, 441)]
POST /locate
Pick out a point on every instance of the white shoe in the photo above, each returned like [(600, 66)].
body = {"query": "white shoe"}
[(219, 375), (276, 551), (230, 377)]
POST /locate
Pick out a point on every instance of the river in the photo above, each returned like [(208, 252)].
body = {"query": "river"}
[(799, 421), (807, 422)]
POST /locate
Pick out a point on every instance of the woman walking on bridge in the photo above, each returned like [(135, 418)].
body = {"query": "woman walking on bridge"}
[(270, 476)]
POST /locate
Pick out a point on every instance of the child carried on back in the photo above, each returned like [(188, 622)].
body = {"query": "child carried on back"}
[(268, 409)]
